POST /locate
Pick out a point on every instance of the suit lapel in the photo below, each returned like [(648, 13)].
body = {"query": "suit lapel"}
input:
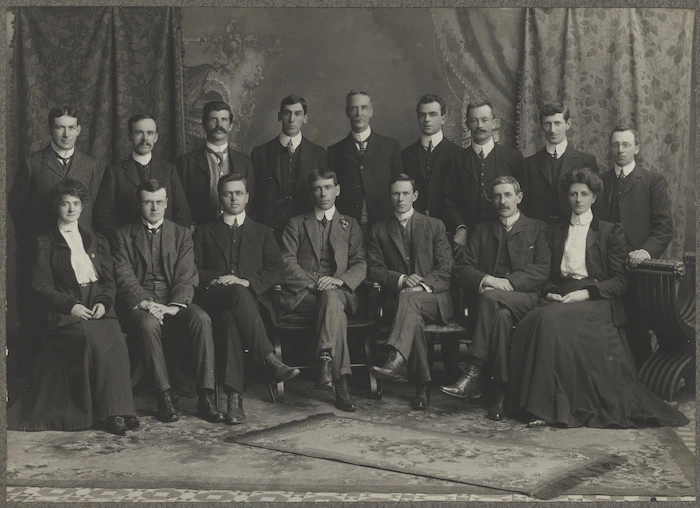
[(52, 162), (632, 179), (273, 160), (543, 164), (351, 147), (167, 248), (469, 155), (417, 156), (592, 236), (220, 238), (138, 233), (202, 162), (339, 242), (131, 172), (394, 231), (314, 235), (608, 185)]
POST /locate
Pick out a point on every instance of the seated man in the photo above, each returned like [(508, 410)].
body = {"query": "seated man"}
[(238, 261), (156, 277), (505, 263), (410, 255), (324, 257)]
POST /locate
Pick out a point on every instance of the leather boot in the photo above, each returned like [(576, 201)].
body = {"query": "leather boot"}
[(343, 399), (393, 368), (234, 409), (421, 399), (132, 422), (115, 425), (497, 409), (277, 371), (467, 386), (325, 371), (166, 409), (206, 407)]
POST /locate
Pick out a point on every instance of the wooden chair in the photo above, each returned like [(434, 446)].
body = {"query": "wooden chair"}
[(290, 336), (666, 298)]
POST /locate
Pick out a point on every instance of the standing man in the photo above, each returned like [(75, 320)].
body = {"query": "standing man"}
[(156, 277), (29, 201), (282, 168), (410, 255), (117, 203), (201, 169), (364, 161), (541, 178), (505, 263), (467, 187), (637, 198), (324, 258), (238, 262)]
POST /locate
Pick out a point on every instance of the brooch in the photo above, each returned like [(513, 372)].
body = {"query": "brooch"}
[(344, 222)]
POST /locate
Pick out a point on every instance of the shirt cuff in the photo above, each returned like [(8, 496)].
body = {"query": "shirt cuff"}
[(401, 277), (481, 285), (644, 250), (176, 304), (460, 227), (427, 288)]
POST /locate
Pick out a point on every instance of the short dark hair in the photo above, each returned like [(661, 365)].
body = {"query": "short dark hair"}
[(290, 100), (322, 174), (582, 175), (402, 177), (141, 116), (215, 106), (63, 111), (150, 185), (230, 177), (429, 98), (505, 180), (358, 92), (69, 187), (554, 108), (625, 128), (478, 104)]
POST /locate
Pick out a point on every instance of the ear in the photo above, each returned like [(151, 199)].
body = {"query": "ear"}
[(77, 129), (279, 116), (337, 190)]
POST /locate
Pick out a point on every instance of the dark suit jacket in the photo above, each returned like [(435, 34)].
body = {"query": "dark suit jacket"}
[(301, 244), (54, 282), (430, 191), (267, 181), (527, 247), (461, 191), (645, 210), (370, 182), (193, 169), (117, 203), (29, 201), (432, 257), (539, 201), (260, 261), (129, 251), (605, 262)]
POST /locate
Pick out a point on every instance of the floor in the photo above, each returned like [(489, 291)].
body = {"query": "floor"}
[(170, 495)]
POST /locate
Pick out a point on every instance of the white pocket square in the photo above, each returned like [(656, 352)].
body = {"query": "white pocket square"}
[(531, 247)]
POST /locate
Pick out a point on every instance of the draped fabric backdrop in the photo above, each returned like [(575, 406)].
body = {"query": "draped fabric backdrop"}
[(110, 63), (615, 66)]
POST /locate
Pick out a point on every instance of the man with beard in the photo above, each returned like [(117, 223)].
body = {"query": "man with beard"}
[(117, 203), (201, 169)]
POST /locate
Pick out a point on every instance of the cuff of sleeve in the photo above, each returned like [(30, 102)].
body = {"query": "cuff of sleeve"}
[(107, 301), (593, 291), (176, 304), (481, 285), (647, 252), (68, 304), (401, 277), (461, 226), (427, 288)]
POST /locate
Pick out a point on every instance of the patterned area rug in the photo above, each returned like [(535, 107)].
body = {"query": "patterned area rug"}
[(193, 454), (537, 471)]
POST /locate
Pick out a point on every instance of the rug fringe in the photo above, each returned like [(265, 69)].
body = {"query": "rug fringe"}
[(562, 485), (281, 426)]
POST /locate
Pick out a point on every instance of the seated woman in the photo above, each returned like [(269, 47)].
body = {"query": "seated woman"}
[(81, 373), (571, 365)]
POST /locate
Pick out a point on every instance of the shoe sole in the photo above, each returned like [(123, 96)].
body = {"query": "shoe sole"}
[(286, 378), (461, 396), (384, 375)]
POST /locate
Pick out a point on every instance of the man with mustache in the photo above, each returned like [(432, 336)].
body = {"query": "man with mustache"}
[(117, 203), (364, 162), (545, 199), (466, 189), (506, 262), (201, 169)]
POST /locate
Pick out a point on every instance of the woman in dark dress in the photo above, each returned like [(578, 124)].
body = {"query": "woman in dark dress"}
[(81, 373), (571, 365)]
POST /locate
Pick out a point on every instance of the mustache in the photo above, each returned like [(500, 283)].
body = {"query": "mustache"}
[(218, 129)]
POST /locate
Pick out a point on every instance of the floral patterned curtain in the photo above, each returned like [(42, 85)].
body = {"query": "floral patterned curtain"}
[(615, 66)]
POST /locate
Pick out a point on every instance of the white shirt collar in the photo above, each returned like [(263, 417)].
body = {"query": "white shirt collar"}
[(228, 219), (60, 151), (486, 147), (328, 213), (626, 170), (67, 228), (404, 216), (561, 147), (152, 226), (284, 140), (435, 138), (142, 159), (219, 148), (509, 221), (582, 220), (361, 136)]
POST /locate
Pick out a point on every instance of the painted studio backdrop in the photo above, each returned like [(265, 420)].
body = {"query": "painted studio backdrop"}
[(611, 66)]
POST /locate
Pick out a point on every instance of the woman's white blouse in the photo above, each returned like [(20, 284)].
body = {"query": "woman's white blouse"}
[(573, 262), (79, 259)]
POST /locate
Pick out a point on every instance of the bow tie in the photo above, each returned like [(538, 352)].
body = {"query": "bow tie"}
[(153, 230)]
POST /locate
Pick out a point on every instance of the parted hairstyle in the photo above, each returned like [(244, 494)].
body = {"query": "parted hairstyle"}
[(141, 116), (231, 177), (150, 185), (69, 187), (582, 175), (429, 98), (625, 128), (554, 108), (507, 179), (402, 177), (63, 111), (322, 174), (290, 100), (478, 104), (215, 106)]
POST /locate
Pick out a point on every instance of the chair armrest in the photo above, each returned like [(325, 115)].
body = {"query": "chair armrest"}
[(276, 295)]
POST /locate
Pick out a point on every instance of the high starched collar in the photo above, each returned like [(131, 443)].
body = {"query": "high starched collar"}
[(284, 140), (435, 139), (142, 159), (229, 219), (61, 152), (486, 147), (152, 226), (361, 136), (582, 220), (626, 170), (561, 147), (328, 213)]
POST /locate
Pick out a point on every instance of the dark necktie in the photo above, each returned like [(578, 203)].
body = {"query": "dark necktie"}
[(481, 155), (622, 177), (290, 148), (145, 169), (430, 146), (153, 231), (324, 222), (234, 226), (554, 154), (361, 147), (219, 156), (65, 161)]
